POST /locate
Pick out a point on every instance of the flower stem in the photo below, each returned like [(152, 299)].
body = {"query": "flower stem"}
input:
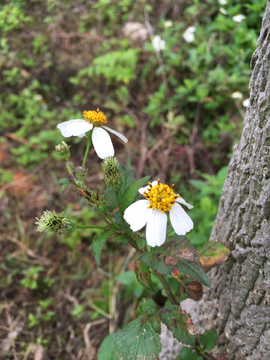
[(87, 148), (167, 288), (90, 227)]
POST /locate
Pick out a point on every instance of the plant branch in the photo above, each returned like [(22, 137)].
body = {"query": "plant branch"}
[(168, 290)]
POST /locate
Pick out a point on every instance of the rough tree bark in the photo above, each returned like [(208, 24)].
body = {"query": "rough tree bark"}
[(238, 304)]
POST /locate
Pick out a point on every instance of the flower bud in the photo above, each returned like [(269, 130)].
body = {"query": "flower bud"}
[(113, 177), (51, 221), (63, 150), (69, 165), (80, 172)]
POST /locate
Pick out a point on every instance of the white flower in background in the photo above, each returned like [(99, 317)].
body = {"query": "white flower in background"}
[(223, 11), (189, 34), (157, 43), (238, 18), (93, 120), (168, 24), (135, 31), (151, 212), (237, 95), (246, 103), (38, 97), (222, 2)]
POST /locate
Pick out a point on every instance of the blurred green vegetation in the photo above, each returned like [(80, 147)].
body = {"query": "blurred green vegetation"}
[(59, 58)]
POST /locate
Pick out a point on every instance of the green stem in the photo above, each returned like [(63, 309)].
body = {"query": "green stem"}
[(167, 288), (90, 227), (133, 243), (87, 148)]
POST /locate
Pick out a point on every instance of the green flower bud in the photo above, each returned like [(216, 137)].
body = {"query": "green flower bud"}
[(63, 149), (113, 177), (51, 221), (69, 165), (80, 172)]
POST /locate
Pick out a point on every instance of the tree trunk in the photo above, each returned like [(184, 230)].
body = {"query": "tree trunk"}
[(238, 304)]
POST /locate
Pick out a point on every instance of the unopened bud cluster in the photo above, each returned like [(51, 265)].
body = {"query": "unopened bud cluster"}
[(63, 149), (113, 177), (51, 221)]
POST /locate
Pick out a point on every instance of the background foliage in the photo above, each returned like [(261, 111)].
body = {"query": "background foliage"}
[(58, 58)]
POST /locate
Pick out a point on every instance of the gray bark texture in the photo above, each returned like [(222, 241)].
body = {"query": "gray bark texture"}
[(238, 304)]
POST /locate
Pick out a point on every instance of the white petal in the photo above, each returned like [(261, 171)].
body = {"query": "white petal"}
[(182, 201), (102, 143), (137, 214), (76, 127), (156, 228), (147, 187), (121, 136), (180, 220)]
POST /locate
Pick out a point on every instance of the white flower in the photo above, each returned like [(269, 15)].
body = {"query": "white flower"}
[(168, 24), (222, 2), (188, 34), (238, 18), (246, 103), (223, 11), (237, 95), (38, 97), (151, 212), (93, 120), (157, 43)]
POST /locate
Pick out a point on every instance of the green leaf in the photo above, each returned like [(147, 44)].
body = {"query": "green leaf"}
[(111, 199), (107, 349), (139, 339), (179, 323), (98, 243), (185, 353), (65, 183), (213, 254), (146, 306), (208, 339), (131, 192), (141, 243), (118, 238), (127, 178), (143, 274), (198, 184), (179, 253)]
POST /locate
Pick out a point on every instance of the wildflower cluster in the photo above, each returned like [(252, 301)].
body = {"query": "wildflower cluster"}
[(123, 215)]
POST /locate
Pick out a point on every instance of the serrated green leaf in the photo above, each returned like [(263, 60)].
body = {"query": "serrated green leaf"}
[(98, 243), (185, 353), (208, 339), (139, 339), (131, 192), (118, 238), (179, 253), (143, 274), (146, 306), (127, 178), (179, 323), (111, 199), (107, 349)]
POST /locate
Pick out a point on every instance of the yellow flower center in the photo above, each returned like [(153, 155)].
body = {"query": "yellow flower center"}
[(161, 197), (96, 118)]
